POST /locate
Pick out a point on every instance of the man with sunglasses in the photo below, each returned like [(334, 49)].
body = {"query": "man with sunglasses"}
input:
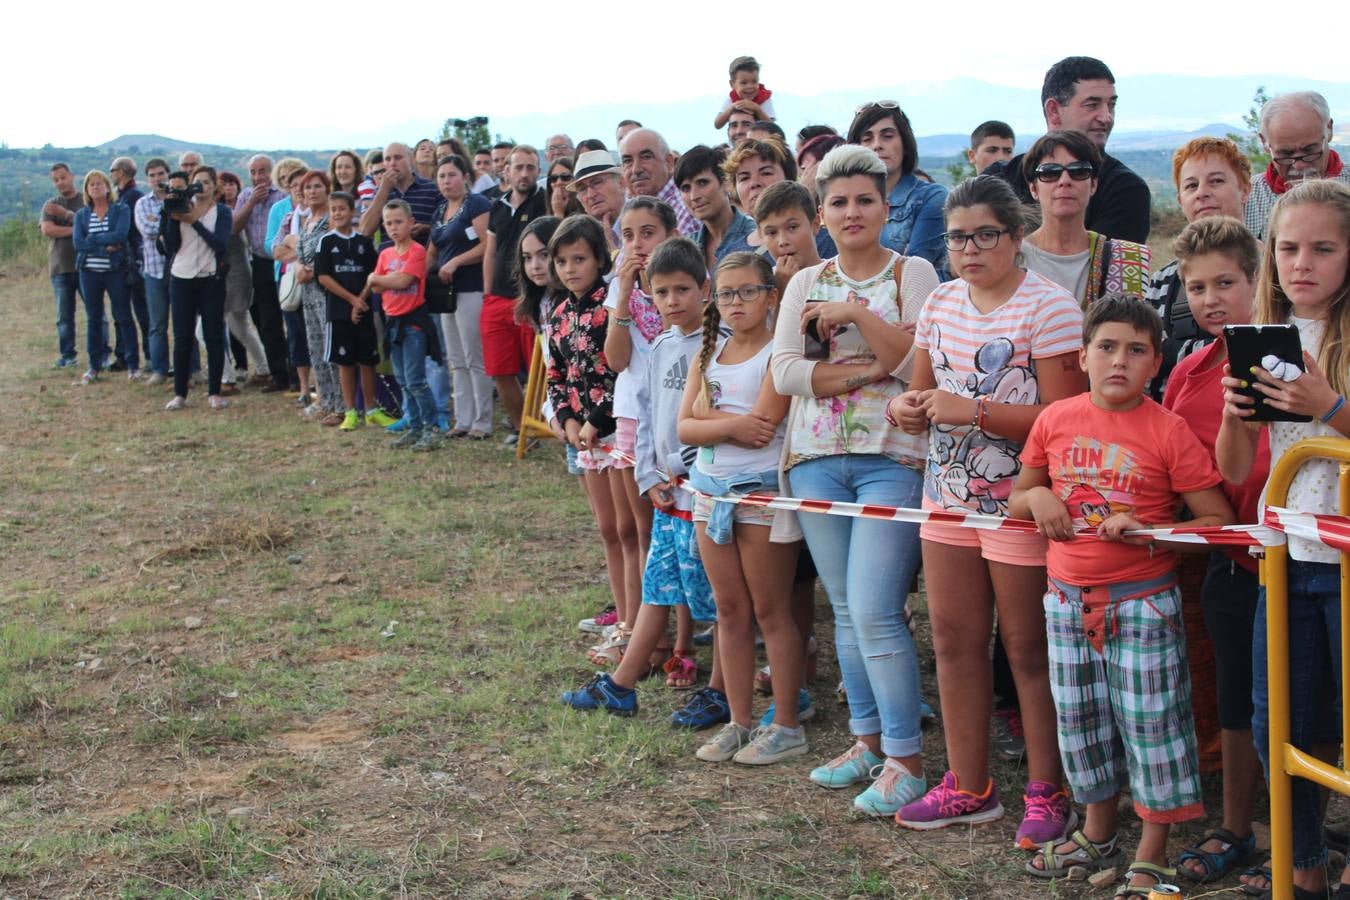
[(1296, 131), (1079, 94)]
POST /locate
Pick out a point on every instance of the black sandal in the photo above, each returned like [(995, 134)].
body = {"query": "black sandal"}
[(1217, 864)]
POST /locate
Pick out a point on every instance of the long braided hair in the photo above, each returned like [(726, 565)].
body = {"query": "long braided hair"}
[(712, 316)]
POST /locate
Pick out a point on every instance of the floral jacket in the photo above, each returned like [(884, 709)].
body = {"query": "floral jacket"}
[(580, 381)]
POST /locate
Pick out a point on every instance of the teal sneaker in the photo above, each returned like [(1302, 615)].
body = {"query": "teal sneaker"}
[(805, 710), (847, 768), (893, 788)]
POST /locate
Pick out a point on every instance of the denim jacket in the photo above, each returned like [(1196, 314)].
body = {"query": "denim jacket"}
[(96, 245), (720, 521), (915, 224)]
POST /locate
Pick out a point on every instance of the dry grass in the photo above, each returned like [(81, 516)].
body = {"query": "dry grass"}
[(294, 742)]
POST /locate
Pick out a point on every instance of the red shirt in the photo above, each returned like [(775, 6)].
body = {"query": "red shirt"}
[(1194, 393), (412, 261), (1102, 463)]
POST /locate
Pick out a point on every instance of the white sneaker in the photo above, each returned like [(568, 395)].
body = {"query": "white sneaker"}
[(155, 379), (771, 744), (725, 744), (176, 403)]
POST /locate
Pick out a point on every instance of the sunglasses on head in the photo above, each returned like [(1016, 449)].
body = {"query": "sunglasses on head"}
[(1050, 172), (876, 104)]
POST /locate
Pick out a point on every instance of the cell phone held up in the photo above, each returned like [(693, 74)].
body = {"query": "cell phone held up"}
[(1275, 348), (812, 345)]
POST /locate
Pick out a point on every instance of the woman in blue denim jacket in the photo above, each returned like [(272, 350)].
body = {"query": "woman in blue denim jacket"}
[(914, 226), (100, 238)]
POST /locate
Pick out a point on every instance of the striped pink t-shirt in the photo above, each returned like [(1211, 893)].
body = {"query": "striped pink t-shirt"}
[(975, 354)]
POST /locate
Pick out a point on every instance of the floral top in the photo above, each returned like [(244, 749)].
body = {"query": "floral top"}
[(580, 381), (853, 422)]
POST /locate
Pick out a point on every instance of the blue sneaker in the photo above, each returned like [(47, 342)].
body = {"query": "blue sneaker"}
[(849, 767), (805, 710), (602, 693), (398, 427), (443, 423), (706, 707), (65, 362), (893, 788)]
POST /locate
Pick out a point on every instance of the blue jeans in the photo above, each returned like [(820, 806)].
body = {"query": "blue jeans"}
[(157, 343), (408, 355), (1314, 689), (141, 314), (64, 286), (92, 285), (867, 566), (297, 340), (438, 376)]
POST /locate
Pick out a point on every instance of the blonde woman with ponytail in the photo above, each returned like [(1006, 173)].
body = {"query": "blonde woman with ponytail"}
[(1304, 281)]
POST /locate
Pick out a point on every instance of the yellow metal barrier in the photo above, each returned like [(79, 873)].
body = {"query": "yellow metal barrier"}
[(1286, 761), (531, 426)]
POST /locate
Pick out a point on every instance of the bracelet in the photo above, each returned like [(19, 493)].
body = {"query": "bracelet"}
[(1331, 413), (975, 419), (620, 320), (984, 413)]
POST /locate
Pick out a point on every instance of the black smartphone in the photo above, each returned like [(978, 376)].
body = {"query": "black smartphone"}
[(1275, 348), (812, 346)]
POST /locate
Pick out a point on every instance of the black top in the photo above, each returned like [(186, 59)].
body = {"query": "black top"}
[(1119, 209), (506, 225), (458, 236), (348, 260)]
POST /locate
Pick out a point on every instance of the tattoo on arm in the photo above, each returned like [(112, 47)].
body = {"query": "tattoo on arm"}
[(857, 381)]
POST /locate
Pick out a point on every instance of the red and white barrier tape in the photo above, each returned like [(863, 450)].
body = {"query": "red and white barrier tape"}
[(1329, 530)]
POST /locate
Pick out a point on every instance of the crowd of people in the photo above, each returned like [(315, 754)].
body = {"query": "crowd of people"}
[(827, 322)]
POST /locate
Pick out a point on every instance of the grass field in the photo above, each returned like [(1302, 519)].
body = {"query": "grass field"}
[(246, 656)]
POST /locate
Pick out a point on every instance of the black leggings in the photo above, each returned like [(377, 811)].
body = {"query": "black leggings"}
[(189, 298)]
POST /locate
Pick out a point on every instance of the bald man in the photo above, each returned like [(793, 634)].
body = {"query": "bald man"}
[(647, 163)]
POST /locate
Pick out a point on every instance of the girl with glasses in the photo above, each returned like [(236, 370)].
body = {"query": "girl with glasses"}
[(992, 347)]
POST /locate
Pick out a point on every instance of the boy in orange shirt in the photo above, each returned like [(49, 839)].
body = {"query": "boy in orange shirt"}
[(400, 279), (1114, 460)]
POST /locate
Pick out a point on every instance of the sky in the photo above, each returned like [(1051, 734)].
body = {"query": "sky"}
[(427, 62)]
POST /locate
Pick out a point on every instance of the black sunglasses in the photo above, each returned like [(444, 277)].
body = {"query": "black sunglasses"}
[(1078, 171)]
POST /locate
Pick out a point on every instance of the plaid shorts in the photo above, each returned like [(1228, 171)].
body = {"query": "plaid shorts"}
[(1122, 694), (674, 574)]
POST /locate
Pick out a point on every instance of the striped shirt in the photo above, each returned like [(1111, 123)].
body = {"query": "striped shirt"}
[(689, 226), (97, 261), (989, 355)]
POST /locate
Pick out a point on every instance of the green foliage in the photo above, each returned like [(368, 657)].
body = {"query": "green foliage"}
[(1249, 141), (21, 244), (473, 136), (960, 170)]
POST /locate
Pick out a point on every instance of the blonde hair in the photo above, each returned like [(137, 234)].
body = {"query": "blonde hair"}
[(1218, 234), (285, 170), (96, 173), (1273, 305)]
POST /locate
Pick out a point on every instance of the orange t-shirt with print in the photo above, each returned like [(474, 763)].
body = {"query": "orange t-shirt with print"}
[(412, 261), (1101, 463)]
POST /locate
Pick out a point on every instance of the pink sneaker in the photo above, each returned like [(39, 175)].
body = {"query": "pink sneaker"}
[(947, 804), (1047, 818)]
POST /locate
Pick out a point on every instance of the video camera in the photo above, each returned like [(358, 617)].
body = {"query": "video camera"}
[(178, 200)]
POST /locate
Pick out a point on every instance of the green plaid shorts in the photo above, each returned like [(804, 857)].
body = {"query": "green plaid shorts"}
[(1122, 694)]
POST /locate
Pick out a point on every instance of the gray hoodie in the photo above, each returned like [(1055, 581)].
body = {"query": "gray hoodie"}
[(660, 455)]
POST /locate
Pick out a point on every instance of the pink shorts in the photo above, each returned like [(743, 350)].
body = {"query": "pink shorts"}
[(625, 441), (1010, 547)]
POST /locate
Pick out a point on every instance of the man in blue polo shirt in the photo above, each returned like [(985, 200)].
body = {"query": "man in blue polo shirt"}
[(401, 182)]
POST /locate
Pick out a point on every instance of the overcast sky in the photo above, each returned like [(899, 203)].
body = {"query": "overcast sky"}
[(402, 63)]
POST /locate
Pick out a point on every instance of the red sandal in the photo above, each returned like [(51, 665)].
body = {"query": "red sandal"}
[(681, 672)]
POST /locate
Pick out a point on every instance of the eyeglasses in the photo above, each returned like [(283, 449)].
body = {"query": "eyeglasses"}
[(1047, 173), (746, 293), (876, 104), (1301, 158), (985, 239), (564, 177)]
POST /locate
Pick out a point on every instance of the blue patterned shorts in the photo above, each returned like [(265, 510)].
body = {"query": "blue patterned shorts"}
[(674, 575)]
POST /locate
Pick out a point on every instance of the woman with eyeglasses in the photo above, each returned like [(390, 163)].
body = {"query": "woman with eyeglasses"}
[(1061, 169), (842, 350), (914, 220), (561, 202)]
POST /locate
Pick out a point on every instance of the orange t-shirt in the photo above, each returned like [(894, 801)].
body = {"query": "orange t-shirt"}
[(1102, 463), (412, 261)]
